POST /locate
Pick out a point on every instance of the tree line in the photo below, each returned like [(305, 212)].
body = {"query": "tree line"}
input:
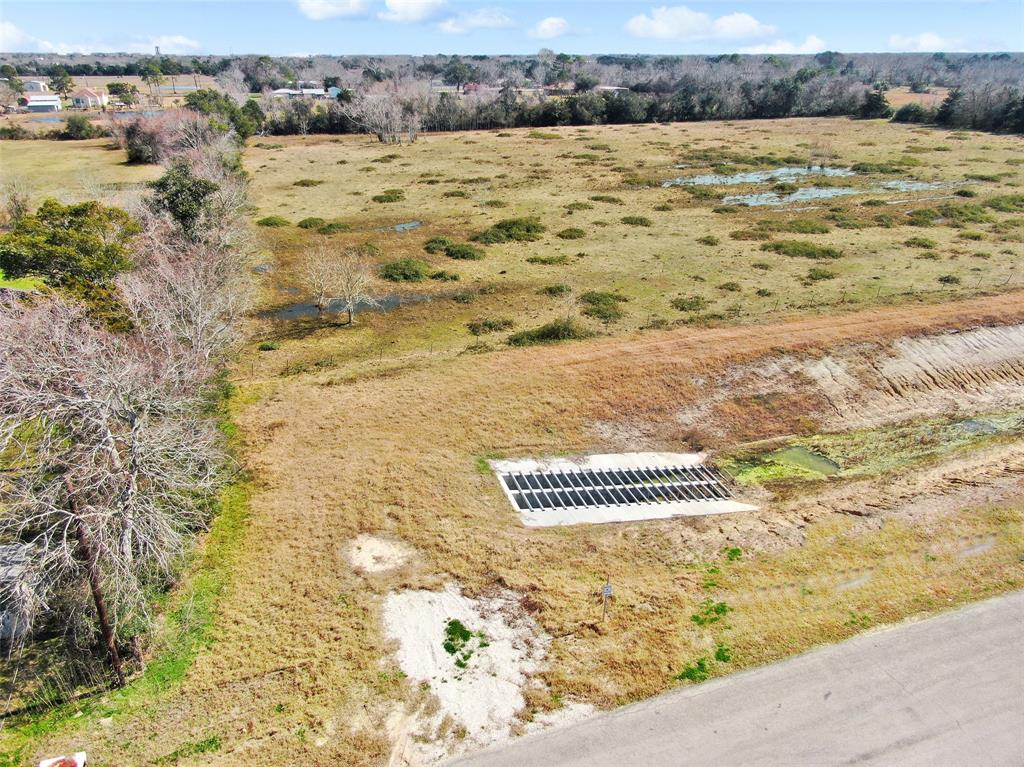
[(111, 375)]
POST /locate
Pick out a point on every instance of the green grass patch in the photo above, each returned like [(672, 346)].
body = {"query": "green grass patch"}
[(636, 220), (526, 229), (308, 182), (406, 270), (571, 233), (803, 249), (313, 222), (274, 221), (389, 195), (552, 332), (489, 325)]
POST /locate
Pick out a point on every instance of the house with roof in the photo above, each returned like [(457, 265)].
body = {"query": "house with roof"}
[(42, 102), (35, 86), (87, 98)]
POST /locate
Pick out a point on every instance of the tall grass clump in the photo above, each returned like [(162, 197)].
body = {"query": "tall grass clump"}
[(552, 332), (803, 249), (406, 270), (527, 229)]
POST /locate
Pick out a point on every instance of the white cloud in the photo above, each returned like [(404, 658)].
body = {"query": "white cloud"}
[(926, 42), (14, 39), (329, 9), (484, 18), (680, 23), (549, 28), (811, 44), (410, 10)]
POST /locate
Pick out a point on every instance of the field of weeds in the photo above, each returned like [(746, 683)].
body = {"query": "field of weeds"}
[(678, 255), (383, 430)]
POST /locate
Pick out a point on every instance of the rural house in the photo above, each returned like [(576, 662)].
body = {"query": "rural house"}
[(87, 98), (35, 86)]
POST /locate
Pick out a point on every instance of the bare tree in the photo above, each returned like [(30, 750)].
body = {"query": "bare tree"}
[(107, 455), (354, 277), (346, 278), (319, 273)]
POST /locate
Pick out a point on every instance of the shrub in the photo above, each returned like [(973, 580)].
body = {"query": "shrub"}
[(704, 193), (603, 305), (919, 242), (456, 193), (606, 198), (559, 260), (965, 193), (389, 195), (661, 208), (922, 217), (708, 239), (491, 325), (557, 330), (333, 228), (442, 276), (268, 346), (495, 204), (802, 249), (436, 244), (912, 113), (725, 209), (406, 270), (579, 206), (463, 251), (695, 672), (312, 222), (764, 266), (636, 220), (873, 203), (274, 221), (572, 233), (78, 127), (751, 234), (14, 133), (764, 292), (559, 289), (795, 226), (730, 287), (971, 235), (308, 182), (949, 279), (817, 274), (966, 213), (690, 303), (542, 135), (526, 229), (1007, 203)]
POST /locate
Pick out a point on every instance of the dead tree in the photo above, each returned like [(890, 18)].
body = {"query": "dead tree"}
[(354, 277)]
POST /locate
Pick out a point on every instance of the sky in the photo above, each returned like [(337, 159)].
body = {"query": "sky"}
[(345, 27)]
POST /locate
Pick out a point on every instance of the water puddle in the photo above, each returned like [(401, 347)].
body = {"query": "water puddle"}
[(914, 186), (805, 194), (759, 176), (262, 268), (298, 311), (803, 458), (407, 226)]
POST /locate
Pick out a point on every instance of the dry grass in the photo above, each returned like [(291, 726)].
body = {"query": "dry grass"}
[(387, 438), (650, 265)]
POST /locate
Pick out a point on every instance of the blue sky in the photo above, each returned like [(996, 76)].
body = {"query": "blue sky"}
[(287, 27)]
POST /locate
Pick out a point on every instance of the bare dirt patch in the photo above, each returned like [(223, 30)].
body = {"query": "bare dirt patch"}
[(373, 554)]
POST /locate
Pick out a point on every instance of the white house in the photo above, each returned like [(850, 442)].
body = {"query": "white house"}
[(35, 86), (294, 93), (42, 102), (87, 98)]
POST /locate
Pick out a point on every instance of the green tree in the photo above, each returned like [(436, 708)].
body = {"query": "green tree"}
[(14, 82), (69, 244), (60, 81), (152, 76), (876, 105), (457, 73), (184, 196), (126, 93)]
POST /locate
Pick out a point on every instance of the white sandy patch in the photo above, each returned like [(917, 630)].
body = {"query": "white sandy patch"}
[(378, 555), (485, 696)]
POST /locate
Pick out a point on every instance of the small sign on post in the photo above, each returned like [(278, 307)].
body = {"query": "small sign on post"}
[(606, 593)]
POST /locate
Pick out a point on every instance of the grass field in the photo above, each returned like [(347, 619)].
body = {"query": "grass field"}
[(384, 428)]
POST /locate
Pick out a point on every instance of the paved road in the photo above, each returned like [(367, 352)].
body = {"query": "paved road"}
[(943, 692)]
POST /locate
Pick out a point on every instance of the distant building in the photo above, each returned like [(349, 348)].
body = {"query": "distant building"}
[(87, 98), (35, 86), (42, 102), (294, 93), (334, 91)]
